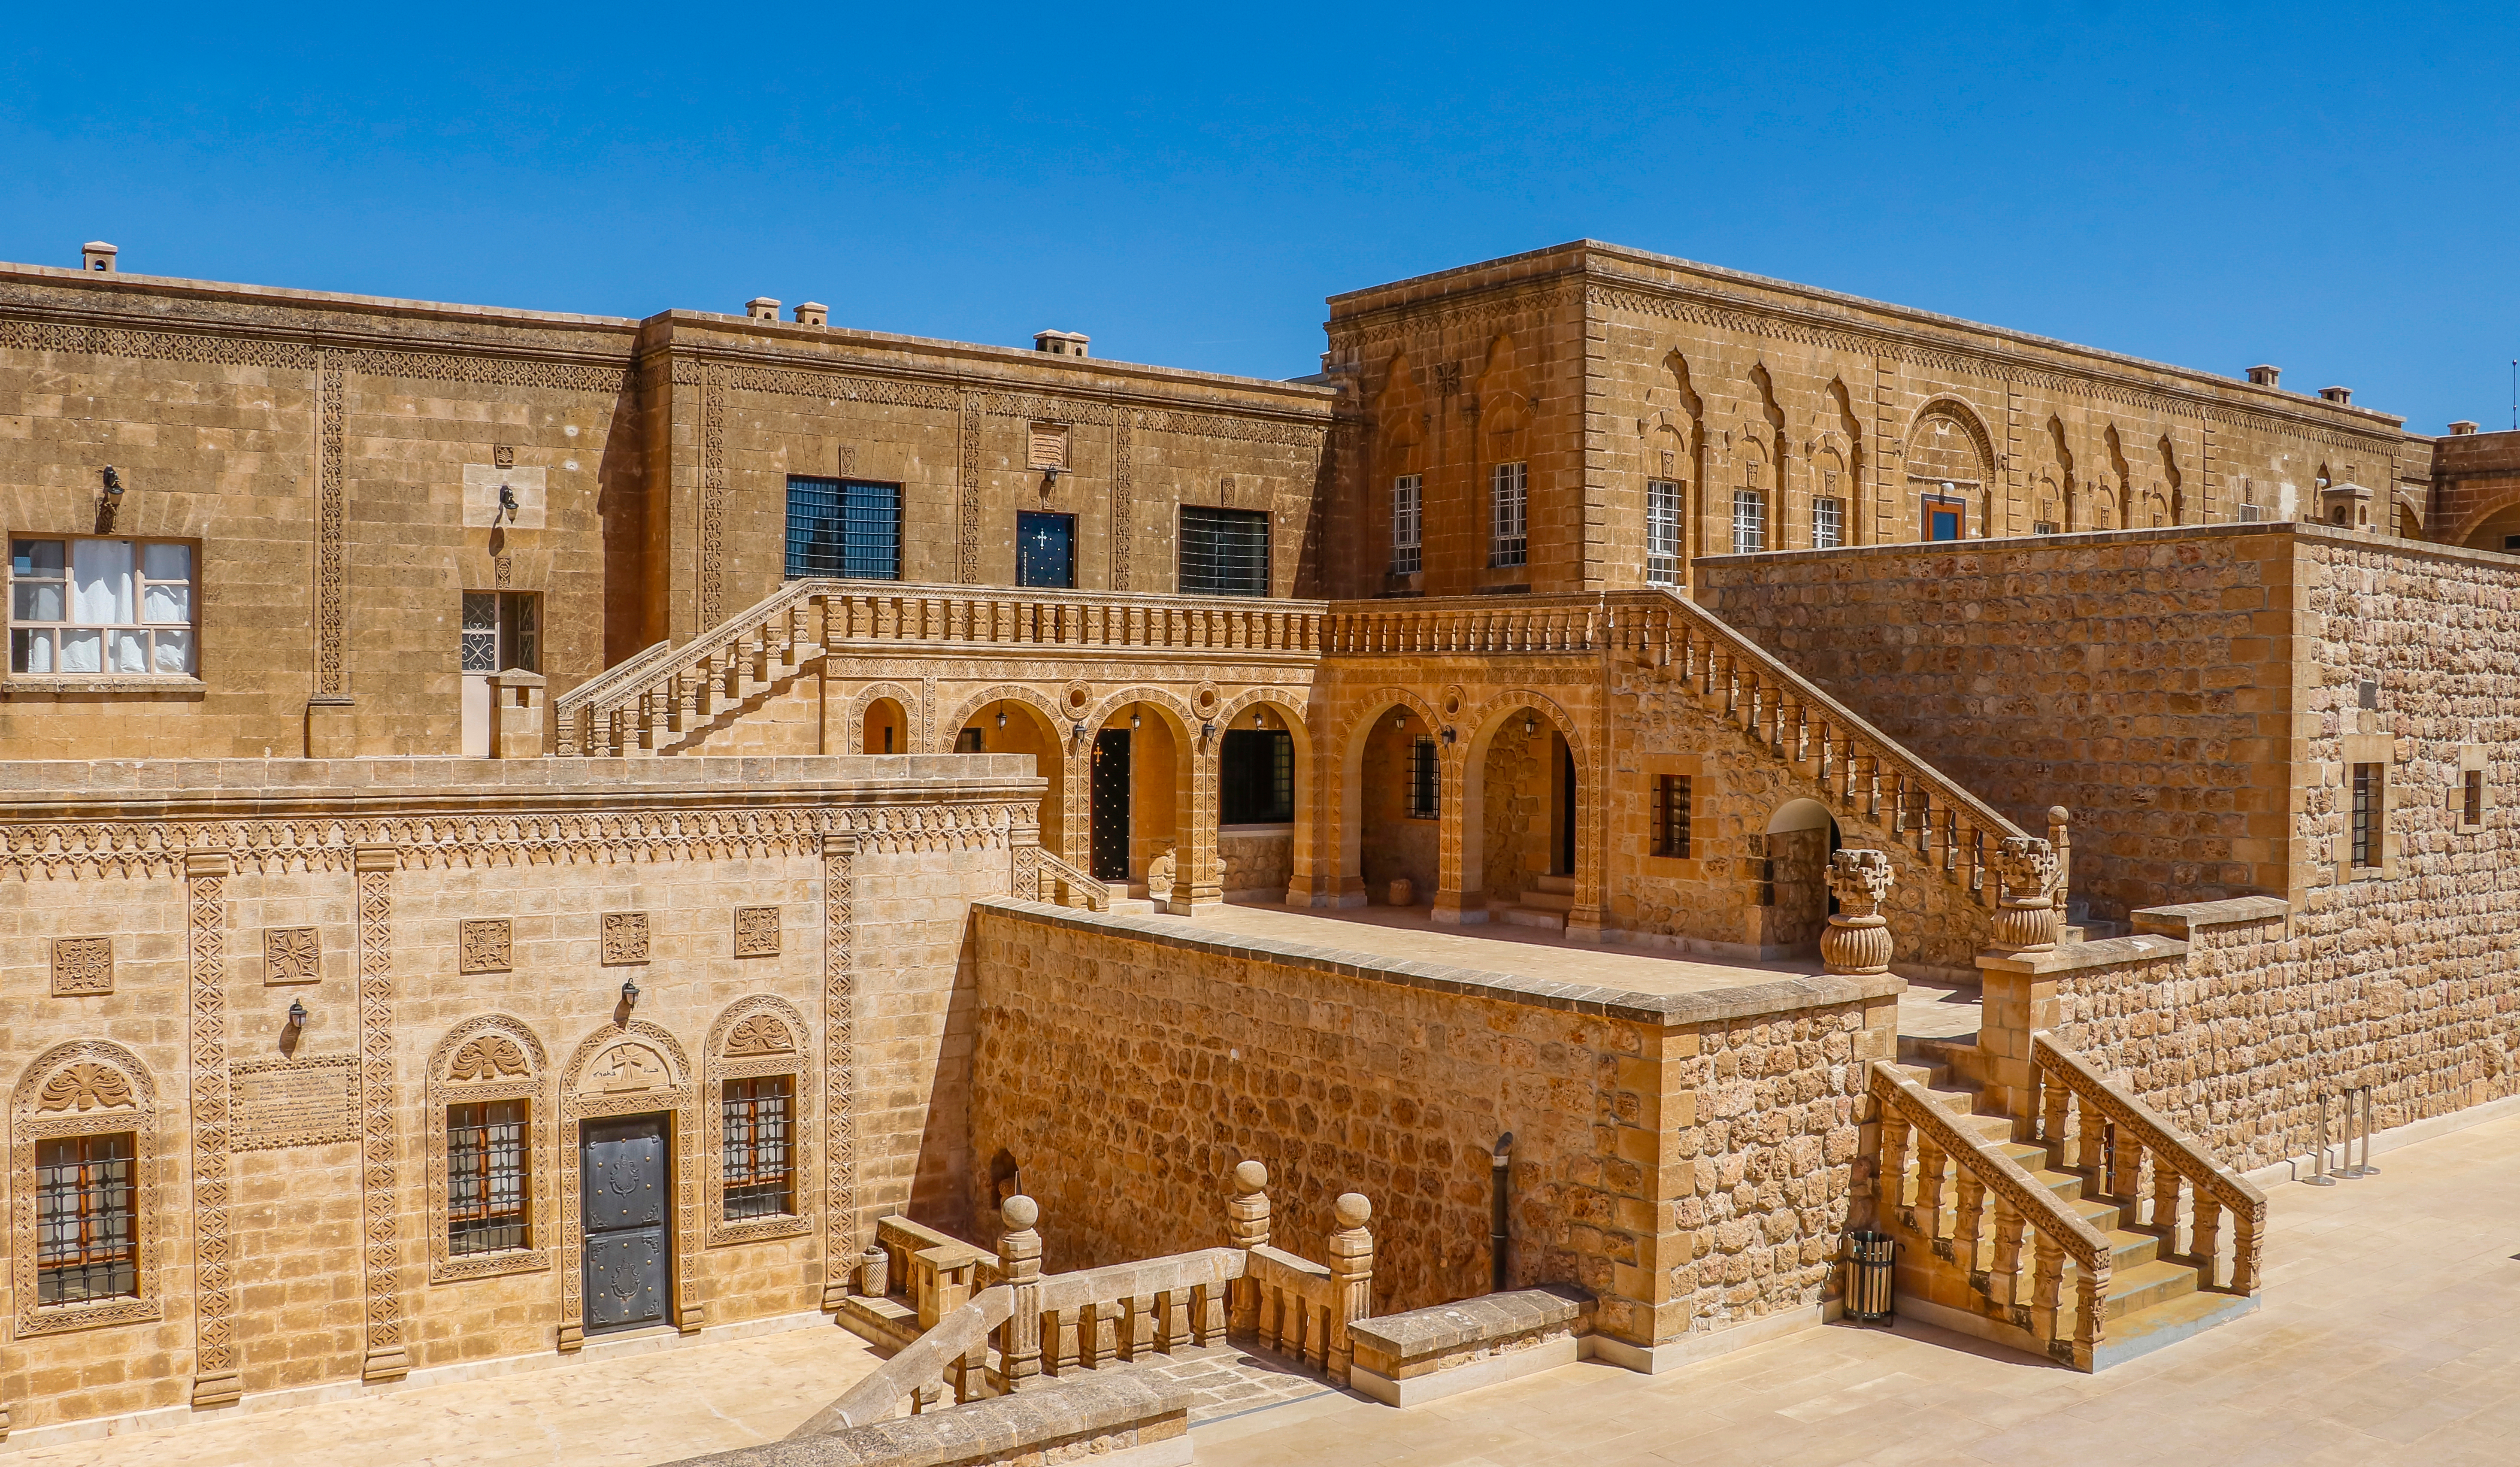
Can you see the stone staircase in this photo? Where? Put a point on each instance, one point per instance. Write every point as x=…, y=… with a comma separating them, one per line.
x=2148, y=1294
x=1545, y=904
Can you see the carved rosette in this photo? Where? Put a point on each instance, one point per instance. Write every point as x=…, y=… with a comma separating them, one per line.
x=2025, y=916
x=1858, y=940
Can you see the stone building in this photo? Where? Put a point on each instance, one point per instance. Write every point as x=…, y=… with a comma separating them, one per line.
x=355, y=923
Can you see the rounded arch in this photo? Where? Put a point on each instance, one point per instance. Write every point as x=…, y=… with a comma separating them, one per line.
x=462, y=1043
x=763, y=1039
x=1295, y=715
x=604, y=1044
x=483, y=1061
x=791, y=1036
x=2409, y=516
x=1799, y=814
x=89, y=1088
x=863, y=702
x=978, y=703
x=1470, y=776
x=1162, y=811
x=80, y=1076
x=1347, y=745
x=1054, y=759
x=1981, y=445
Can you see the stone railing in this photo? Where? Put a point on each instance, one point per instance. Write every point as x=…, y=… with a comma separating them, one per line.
x=1858, y=767
x=938, y=1271
x=1039, y=875
x=1977, y=1252
x=2094, y=1128
x=1291, y=1304
x=644, y=705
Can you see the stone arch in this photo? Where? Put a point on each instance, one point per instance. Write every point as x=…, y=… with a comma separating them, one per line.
x=627, y=1068
x=486, y=1059
x=86, y=1087
x=1294, y=711
x=1464, y=892
x=1192, y=824
x=760, y=1035
x=1928, y=467
x=1052, y=759
x=854, y=723
x=1347, y=744
x=2408, y=518
x=1793, y=853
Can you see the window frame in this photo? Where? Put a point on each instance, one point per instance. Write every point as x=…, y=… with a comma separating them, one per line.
x=1281, y=779
x=1750, y=535
x=1024, y=521
x=1510, y=515
x=2366, y=816
x=784, y=1187
x=1408, y=524
x=121, y=1260
x=842, y=562
x=1674, y=803
x=1835, y=518
x=1424, y=800
x=1218, y=516
x=486, y=1222
x=1663, y=500
x=139, y=584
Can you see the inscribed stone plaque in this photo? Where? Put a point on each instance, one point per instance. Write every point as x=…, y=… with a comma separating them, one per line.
x=292, y=1102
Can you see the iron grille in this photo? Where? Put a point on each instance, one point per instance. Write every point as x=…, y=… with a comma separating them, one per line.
x=1662, y=531
x=1510, y=516
x=1223, y=552
x=485, y=1177
x=1671, y=816
x=758, y=1174
x=840, y=526
x=2367, y=806
x=87, y=1241
x=1408, y=524
x=1425, y=780
x=1750, y=521
x=1828, y=524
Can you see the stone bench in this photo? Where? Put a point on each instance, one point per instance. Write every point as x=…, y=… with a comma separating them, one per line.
x=1425, y=1354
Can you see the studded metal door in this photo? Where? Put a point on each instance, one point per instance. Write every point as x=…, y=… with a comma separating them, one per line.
x=629, y=1242
x=1111, y=805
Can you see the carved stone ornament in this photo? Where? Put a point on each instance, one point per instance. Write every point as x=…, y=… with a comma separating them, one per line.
x=628, y=1066
x=1858, y=940
x=486, y=945
x=83, y=966
x=489, y=1057
x=85, y=1087
x=625, y=938
x=292, y=955
x=759, y=1034
x=756, y=932
x=2025, y=917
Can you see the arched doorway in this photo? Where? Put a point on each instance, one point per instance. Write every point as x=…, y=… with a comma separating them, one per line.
x=1794, y=876
x=1012, y=725
x=1264, y=761
x=1140, y=800
x=886, y=729
x=1394, y=791
x=1521, y=803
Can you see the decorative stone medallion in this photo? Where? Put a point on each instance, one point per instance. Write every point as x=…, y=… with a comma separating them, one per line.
x=756, y=932
x=83, y=966
x=625, y=938
x=486, y=943
x=292, y=955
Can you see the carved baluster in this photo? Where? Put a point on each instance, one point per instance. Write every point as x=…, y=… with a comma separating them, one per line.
x=2125, y=1167
x=2245, y=1228
x=1890, y=1171
x=2090, y=1296
x=2165, y=1201
x=1100, y=1324
x=1930, y=1163
x=1967, y=1222
x=2091, y=1152
x=2205, y=1236
x=2003, y=1274
x=2053, y=1100
x=2047, y=1285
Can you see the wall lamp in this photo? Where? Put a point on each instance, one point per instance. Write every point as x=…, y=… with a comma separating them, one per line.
x=1448, y=733
x=1076, y=730
x=296, y=1014
x=507, y=504
x=1135, y=717
x=1259, y=718
x=1530, y=725
x=629, y=993
x=1206, y=732
x=112, y=481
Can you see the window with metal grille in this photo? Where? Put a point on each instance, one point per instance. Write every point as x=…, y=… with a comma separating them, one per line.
x=122, y=608
x=1828, y=524
x=1425, y=780
x=87, y=1226
x=1408, y=524
x=1509, y=515
x=2368, y=794
x=1750, y=521
x=502, y=631
x=1662, y=531
x=1223, y=552
x=1256, y=777
x=2472, y=796
x=485, y=1177
x=760, y=1177
x=843, y=528
x=1671, y=816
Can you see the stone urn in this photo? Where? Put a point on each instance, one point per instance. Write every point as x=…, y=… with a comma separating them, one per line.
x=1403, y=892
x=2025, y=916
x=1858, y=940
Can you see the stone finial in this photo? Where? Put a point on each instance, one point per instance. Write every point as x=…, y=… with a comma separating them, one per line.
x=1246, y=1220
x=2025, y=918
x=1351, y=1279
x=1019, y=1262
x=762, y=308
x=1858, y=940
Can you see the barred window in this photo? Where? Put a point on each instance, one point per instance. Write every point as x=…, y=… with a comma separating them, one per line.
x=502, y=630
x=1425, y=780
x=1828, y=524
x=1408, y=524
x=1750, y=521
x=2369, y=789
x=485, y=1177
x=87, y=1226
x=760, y=1174
x=1223, y=552
x=2472, y=797
x=122, y=608
x=1662, y=531
x=1509, y=515
x=843, y=528
x=1256, y=777
x=1671, y=816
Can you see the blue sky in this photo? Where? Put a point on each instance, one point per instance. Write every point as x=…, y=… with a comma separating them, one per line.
x=2330, y=190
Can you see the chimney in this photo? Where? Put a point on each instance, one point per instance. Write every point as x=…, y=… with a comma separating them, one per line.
x=1061, y=342
x=761, y=308
x=813, y=314
x=2463, y=428
x=97, y=254
x=2265, y=375
x=2341, y=395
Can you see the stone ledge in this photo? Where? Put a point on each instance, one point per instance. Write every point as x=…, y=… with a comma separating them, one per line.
x=1417, y=1333
x=2181, y=921
x=156, y=789
x=1667, y=1009
x=1090, y=1410
x=2068, y=956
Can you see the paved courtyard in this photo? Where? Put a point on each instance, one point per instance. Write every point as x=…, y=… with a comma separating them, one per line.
x=2391, y=1335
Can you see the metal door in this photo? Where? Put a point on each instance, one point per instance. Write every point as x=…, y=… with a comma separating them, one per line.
x=1045, y=549
x=629, y=1245
x=1111, y=805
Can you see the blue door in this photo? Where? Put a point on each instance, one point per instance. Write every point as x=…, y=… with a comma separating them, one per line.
x=629, y=1246
x=1045, y=549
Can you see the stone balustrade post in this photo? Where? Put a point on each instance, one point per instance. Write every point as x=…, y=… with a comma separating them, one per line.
x=1246, y=1220
x=518, y=714
x=2025, y=918
x=1351, y=1280
x=2060, y=836
x=1858, y=940
x=1019, y=1262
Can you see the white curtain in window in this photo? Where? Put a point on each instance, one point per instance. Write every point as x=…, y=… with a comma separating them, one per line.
x=168, y=571
x=82, y=651
x=101, y=582
x=174, y=652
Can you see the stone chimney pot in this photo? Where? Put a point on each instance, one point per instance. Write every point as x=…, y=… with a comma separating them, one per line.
x=2463, y=428
x=813, y=314
x=2265, y=375
x=2337, y=394
x=762, y=308
x=97, y=254
x=1061, y=342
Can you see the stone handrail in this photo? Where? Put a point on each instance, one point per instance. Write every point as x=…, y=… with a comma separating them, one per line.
x=1081, y=890
x=947, y=1350
x=643, y=702
x=567, y=706
x=2115, y=1133
x=1958, y=1229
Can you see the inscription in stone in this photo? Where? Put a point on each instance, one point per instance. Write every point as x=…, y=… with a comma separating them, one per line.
x=292, y=1102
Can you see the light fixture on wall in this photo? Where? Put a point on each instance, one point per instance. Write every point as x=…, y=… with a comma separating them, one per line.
x=1448, y=733
x=629, y=993
x=1259, y=718
x=506, y=504
x=1134, y=718
x=112, y=481
x=296, y=1014
x=1206, y=732
x=1530, y=725
x=1076, y=730
x=1002, y=714
x=1400, y=718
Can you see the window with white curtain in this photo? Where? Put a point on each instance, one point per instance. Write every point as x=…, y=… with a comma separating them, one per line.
x=1508, y=517
x=1408, y=524
x=1662, y=531
x=111, y=608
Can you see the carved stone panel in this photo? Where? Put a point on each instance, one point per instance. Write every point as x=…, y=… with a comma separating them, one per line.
x=294, y=1102
x=486, y=945
x=83, y=966
x=756, y=932
x=625, y=938
x=292, y=955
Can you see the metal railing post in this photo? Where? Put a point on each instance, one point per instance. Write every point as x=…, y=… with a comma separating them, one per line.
x=2319, y=1177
